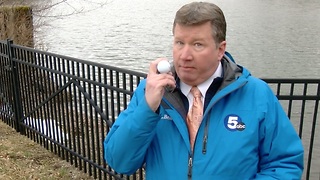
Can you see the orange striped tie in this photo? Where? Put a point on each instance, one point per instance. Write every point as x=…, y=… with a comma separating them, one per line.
x=195, y=114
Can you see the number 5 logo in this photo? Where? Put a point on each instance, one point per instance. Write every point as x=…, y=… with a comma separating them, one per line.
x=234, y=123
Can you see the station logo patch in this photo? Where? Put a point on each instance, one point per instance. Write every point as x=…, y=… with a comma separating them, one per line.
x=234, y=123
x=166, y=117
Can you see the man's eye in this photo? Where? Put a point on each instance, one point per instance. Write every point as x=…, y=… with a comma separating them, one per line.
x=179, y=43
x=197, y=44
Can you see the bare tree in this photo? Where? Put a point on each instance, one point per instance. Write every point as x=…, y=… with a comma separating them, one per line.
x=44, y=11
x=41, y=8
x=72, y=7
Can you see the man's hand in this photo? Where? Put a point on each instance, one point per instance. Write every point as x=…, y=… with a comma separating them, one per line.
x=156, y=84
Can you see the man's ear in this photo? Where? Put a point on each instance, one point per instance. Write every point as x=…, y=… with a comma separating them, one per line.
x=222, y=49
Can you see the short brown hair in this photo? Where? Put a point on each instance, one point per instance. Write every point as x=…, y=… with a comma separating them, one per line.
x=201, y=12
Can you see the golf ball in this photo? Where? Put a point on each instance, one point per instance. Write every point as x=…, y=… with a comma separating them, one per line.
x=163, y=67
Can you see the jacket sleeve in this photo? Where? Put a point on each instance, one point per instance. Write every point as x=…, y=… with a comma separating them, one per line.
x=127, y=142
x=281, y=149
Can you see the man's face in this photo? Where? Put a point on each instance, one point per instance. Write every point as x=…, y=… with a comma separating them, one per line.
x=195, y=53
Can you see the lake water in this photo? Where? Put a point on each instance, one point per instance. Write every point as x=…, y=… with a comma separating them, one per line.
x=271, y=38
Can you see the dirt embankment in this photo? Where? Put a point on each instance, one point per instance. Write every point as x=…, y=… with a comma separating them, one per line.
x=21, y=158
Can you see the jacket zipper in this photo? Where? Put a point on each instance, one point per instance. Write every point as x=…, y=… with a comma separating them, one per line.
x=205, y=138
x=190, y=164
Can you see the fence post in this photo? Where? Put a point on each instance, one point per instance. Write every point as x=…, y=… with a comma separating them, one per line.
x=18, y=114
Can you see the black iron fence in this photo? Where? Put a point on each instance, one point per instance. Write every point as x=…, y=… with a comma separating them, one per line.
x=67, y=105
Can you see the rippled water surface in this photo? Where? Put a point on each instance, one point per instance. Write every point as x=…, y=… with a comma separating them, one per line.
x=271, y=38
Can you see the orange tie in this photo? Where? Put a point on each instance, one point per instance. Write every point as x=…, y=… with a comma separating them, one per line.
x=195, y=114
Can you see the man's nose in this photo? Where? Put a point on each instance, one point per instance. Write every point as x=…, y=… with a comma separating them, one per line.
x=186, y=52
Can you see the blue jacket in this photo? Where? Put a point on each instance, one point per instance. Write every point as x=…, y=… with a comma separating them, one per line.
x=245, y=134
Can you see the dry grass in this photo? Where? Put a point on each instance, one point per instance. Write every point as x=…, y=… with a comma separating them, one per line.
x=21, y=158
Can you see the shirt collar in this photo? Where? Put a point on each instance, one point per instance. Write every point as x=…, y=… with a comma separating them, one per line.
x=203, y=87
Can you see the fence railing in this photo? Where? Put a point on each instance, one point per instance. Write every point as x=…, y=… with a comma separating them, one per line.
x=67, y=105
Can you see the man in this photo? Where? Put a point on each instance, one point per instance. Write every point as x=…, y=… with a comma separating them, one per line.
x=243, y=132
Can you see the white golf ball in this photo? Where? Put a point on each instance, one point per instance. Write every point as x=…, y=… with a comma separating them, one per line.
x=164, y=66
